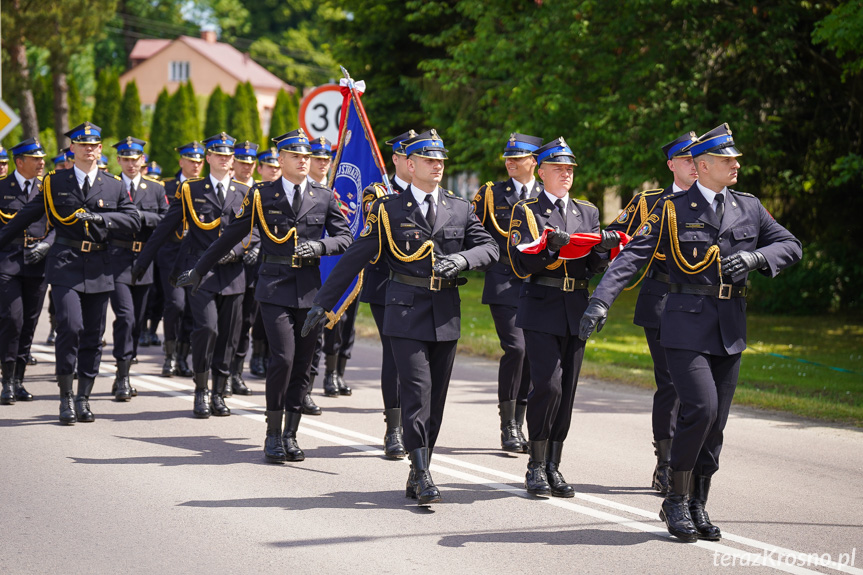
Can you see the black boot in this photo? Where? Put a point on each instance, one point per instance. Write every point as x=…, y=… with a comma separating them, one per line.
x=21, y=394
x=662, y=472
x=394, y=446
x=256, y=364
x=82, y=400
x=67, y=402
x=202, y=396
x=340, y=376
x=52, y=334
x=706, y=529
x=559, y=486
x=331, y=381
x=289, y=437
x=509, y=440
x=309, y=407
x=274, y=451
x=535, y=481
x=7, y=396
x=182, y=361
x=238, y=386
x=169, y=368
x=675, y=508
x=123, y=389
x=520, y=410
x=220, y=381
x=266, y=360
x=420, y=483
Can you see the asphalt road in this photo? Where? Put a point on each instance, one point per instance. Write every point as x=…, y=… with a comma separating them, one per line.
x=147, y=488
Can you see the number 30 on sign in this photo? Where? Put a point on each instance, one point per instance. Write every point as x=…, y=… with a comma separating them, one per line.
x=320, y=111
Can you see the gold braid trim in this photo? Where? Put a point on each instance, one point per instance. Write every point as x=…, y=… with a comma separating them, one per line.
x=335, y=316
x=292, y=233
x=531, y=222
x=49, y=207
x=6, y=218
x=488, y=207
x=186, y=193
x=427, y=249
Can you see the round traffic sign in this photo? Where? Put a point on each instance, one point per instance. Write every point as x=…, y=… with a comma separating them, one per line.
x=320, y=111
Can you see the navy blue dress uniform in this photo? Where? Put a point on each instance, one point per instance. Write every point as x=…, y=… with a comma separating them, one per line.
x=493, y=204
x=425, y=243
x=291, y=228
x=648, y=312
x=216, y=305
x=22, y=273
x=129, y=300
x=552, y=299
x=703, y=328
x=4, y=162
x=177, y=314
x=83, y=209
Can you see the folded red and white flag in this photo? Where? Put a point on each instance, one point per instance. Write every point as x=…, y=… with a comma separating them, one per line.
x=579, y=245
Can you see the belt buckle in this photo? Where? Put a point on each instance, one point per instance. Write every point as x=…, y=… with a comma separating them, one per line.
x=296, y=261
x=86, y=246
x=725, y=291
x=136, y=246
x=30, y=242
x=568, y=284
x=435, y=283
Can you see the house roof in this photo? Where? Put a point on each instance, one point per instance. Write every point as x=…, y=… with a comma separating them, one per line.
x=145, y=48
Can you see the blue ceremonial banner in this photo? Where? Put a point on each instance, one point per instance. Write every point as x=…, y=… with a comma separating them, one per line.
x=358, y=164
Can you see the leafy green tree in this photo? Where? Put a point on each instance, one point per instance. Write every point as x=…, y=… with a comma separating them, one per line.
x=245, y=120
x=218, y=112
x=285, y=114
x=130, y=122
x=108, y=97
x=77, y=108
x=43, y=97
x=162, y=137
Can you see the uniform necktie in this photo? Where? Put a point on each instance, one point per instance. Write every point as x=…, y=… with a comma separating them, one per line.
x=220, y=191
x=132, y=190
x=86, y=189
x=525, y=193
x=295, y=203
x=27, y=189
x=562, y=209
x=720, y=206
x=430, y=215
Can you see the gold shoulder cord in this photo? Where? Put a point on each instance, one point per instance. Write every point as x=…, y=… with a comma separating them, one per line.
x=427, y=249
x=488, y=207
x=292, y=233
x=6, y=218
x=49, y=206
x=190, y=208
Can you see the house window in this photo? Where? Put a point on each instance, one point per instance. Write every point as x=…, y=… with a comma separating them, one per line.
x=179, y=72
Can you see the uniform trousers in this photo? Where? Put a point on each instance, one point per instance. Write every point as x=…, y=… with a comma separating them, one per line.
x=290, y=356
x=554, y=368
x=80, y=319
x=513, y=374
x=665, y=403
x=705, y=385
x=21, y=300
x=214, y=338
x=130, y=307
x=155, y=299
x=424, y=369
x=176, y=315
x=317, y=351
x=340, y=340
x=258, y=331
x=247, y=320
x=389, y=373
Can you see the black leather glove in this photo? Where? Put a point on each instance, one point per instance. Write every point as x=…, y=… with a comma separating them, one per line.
x=189, y=278
x=593, y=319
x=229, y=258
x=251, y=257
x=556, y=240
x=90, y=217
x=449, y=266
x=315, y=317
x=137, y=273
x=742, y=262
x=312, y=249
x=37, y=253
x=609, y=241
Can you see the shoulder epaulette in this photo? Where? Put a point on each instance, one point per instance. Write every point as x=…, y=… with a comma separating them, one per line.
x=4, y=177
x=583, y=202
x=526, y=201
x=241, y=183
x=453, y=196
x=116, y=177
x=193, y=179
x=40, y=178
x=655, y=192
x=166, y=180
x=387, y=197
x=151, y=179
x=741, y=193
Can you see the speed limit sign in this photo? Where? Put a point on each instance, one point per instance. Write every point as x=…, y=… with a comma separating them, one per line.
x=320, y=111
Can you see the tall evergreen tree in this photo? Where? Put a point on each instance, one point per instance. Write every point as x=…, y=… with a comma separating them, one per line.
x=218, y=112
x=108, y=98
x=285, y=114
x=76, y=104
x=184, y=120
x=130, y=122
x=163, y=139
x=245, y=120
x=43, y=97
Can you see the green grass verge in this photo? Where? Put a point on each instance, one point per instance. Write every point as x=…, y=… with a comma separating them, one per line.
x=793, y=363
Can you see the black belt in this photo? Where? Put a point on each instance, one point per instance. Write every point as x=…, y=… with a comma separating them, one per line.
x=433, y=283
x=564, y=284
x=27, y=241
x=659, y=276
x=134, y=246
x=724, y=291
x=293, y=261
x=85, y=246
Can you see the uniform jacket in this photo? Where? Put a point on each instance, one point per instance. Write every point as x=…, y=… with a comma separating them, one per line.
x=543, y=308
x=149, y=198
x=87, y=272
x=414, y=312
x=376, y=275
x=12, y=199
x=700, y=323
x=227, y=279
x=167, y=256
x=279, y=283
x=493, y=204
x=651, y=295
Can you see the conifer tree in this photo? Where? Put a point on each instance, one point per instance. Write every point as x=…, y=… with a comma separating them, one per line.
x=129, y=122
x=285, y=114
x=162, y=137
x=108, y=98
x=218, y=112
x=184, y=121
x=245, y=120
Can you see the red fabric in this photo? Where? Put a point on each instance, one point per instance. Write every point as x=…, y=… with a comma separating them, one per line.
x=579, y=245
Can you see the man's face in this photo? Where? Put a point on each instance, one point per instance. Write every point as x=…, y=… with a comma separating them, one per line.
x=319, y=167
x=557, y=178
x=4, y=168
x=243, y=171
x=295, y=167
x=220, y=163
x=130, y=166
x=401, y=166
x=520, y=169
x=718, y=171
x=269, y=173
x=684, y=171
x=425, y=171
x=88, y=153
x=29, y=167
x=191, y=168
